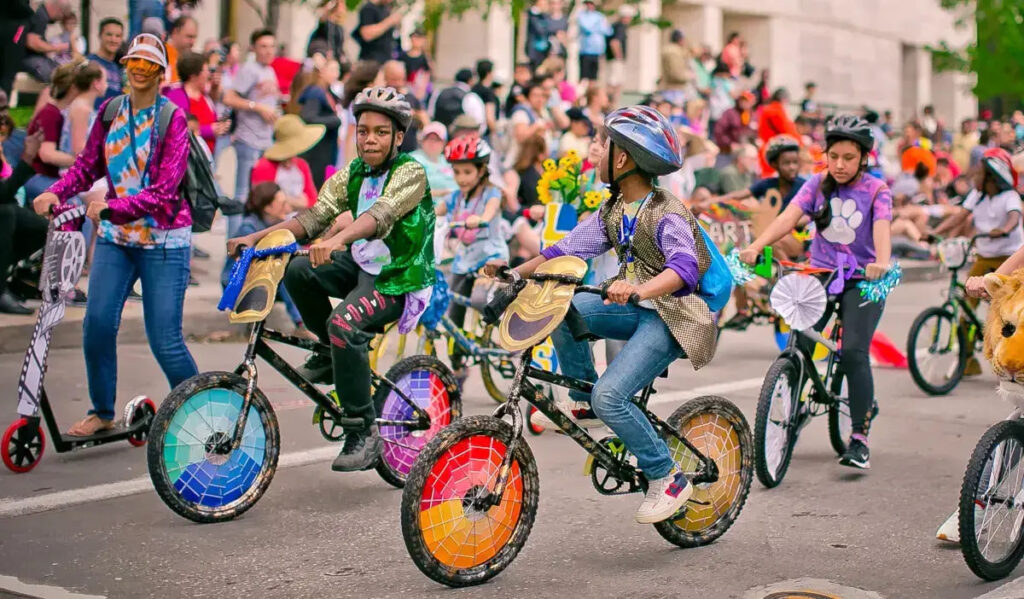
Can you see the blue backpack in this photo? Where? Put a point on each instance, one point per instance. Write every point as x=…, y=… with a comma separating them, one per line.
x=715, y=286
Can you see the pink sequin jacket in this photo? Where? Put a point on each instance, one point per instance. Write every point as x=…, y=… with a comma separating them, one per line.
x=160, y=198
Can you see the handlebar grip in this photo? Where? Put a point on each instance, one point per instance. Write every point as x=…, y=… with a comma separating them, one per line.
x=634, y=299
x=105, y=214
x=337, y=255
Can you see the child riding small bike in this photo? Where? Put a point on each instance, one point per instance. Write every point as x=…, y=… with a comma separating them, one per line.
x=662, y=256
x=475, y=212
x=852, y=211
x=380, y=263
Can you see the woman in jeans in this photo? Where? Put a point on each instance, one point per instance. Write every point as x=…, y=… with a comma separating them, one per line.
x=146, y=232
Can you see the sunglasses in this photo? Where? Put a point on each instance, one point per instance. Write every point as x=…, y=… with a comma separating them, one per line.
x=141, y=66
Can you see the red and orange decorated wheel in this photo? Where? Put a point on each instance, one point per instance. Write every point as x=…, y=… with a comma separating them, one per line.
x=719, y=431
x=450, y=536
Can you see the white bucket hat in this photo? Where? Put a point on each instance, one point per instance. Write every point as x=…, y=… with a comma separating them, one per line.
x=147, y=47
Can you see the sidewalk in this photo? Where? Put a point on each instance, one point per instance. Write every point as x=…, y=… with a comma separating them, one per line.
x=201, y=315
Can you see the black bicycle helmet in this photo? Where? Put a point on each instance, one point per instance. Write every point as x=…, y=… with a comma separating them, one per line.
x=851, y=128
x=386, y=101
x=779, y=145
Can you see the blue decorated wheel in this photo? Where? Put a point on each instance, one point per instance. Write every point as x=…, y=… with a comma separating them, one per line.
x=193, y=467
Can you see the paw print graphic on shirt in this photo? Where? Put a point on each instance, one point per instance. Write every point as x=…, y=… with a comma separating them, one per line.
x=845, y=220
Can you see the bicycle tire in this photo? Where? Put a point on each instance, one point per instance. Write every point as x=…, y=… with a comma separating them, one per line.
x=498, y=394
x=437, y=392
x=969, y=496
x=771, y=475
x=840, y=424
x=912, y=358
x=175, y=462
x=481, y=440
x=702, y=524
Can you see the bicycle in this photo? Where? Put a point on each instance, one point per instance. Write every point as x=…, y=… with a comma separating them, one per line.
x=471, y=498
x=794, y=391
x=951, y=330
x=215, y=442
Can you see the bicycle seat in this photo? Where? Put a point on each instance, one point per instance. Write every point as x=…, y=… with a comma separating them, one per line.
x=256, y=299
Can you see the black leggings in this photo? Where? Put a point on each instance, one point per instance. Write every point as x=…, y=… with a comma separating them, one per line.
x=461, y=285
x=859, y=324
x=22, y=232
x=347, y=328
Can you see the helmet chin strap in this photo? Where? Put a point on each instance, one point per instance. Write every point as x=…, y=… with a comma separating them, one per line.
x=611, y=168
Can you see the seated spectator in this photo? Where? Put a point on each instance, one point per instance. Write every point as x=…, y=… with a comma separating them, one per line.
x=37, y=63
x=22, y=232
x=280, y=163
x=742, y=173
x=329, y=34
x=111, y=39
x=50, y=120
x=430, y=154
x=266, y=206
x=597, y=104
x=71, y=37
x=579, y=134
x=554, y=67
x=529, y=120
x=736, y=126
x=190, y=96
x=458, y=99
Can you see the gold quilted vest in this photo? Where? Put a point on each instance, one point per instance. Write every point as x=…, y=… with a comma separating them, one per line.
x=688, y=318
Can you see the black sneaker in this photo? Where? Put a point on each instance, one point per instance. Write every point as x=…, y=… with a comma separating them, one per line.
x=318, y=369
x=739, y=322
x=10, y=305
x=359, y=451
x=200, y=254
x=857, y=455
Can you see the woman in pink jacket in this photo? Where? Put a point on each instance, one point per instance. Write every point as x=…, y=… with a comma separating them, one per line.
x=145, y=228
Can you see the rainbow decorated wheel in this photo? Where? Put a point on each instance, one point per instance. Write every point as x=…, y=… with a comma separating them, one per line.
x=193, y=467
x=452, y=536
x=432, y=386
x=719, y=431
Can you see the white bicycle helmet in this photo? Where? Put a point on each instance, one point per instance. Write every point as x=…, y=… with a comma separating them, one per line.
x=387, y=101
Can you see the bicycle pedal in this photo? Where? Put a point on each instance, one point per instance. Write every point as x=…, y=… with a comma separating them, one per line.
x=698, y=502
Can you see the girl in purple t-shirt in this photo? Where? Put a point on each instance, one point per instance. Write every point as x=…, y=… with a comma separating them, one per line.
x=852, y=211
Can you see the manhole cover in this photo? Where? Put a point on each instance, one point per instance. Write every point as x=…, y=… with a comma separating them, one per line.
x=809, y=588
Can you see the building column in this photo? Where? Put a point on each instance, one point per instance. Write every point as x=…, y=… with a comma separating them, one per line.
x=462, y=41
x=643, y=53
x=701, y=24
x=917, y=81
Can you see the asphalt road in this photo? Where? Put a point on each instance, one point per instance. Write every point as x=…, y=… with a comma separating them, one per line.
x=317, y=533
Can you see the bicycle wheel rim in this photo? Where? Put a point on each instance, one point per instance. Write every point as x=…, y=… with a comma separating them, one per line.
x=206, y=480
x=454, y=533
x=998, y=513
x=937, y=350
x=715, y=437
x=777, y=428
x=401, y=444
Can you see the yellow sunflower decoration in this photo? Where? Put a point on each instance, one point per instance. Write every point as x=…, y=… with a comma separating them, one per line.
x=563, y=179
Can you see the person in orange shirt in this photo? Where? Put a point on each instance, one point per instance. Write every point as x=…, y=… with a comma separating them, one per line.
x=774, y=121
x=180, y=42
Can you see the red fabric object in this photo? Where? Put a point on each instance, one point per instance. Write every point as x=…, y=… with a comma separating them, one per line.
x=201, y=107
x=774, y=121
x=885, y=352
x=50, y=121
x=266, y=170
x=286, y=69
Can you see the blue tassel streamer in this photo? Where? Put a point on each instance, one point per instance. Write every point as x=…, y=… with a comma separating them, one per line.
x=741, y=272
x=241, y=269
x=439, y=300
x=876, y=291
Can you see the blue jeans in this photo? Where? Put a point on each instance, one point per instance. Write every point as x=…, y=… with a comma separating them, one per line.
x=36, y=185
x=164, y=275
x=649, y=349
x=246, y=157
x=138, y=10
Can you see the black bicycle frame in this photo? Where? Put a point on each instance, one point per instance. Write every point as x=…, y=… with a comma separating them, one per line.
x=258, y=337
x=795, y=351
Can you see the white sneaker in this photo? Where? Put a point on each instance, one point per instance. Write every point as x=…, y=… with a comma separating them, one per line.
x=950, y=529
x=665, y=497
x=578, y=411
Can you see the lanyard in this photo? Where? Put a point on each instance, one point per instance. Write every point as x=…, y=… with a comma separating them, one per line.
x=143, y=174
x=628, y=231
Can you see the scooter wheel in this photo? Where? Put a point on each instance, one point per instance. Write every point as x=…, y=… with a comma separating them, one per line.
x=139, y=409
x=535, y=429
x=22, y=445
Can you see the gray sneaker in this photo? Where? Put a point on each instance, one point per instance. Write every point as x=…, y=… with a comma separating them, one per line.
x=318, y=369
x=360, y=451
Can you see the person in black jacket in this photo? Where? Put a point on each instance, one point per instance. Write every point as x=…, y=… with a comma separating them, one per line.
x=22, y=231
x=319, y=106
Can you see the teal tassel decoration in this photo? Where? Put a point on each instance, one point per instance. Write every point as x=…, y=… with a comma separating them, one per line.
x=741, y=272
x=876, y=291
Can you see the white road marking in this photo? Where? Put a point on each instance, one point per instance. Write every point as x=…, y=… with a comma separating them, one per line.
x=40, y=591
x=54, y=501
x=1011, y=590
x=62, y=499
x=717, y=389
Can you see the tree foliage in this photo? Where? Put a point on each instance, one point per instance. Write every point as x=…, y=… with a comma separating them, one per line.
x=996, y=56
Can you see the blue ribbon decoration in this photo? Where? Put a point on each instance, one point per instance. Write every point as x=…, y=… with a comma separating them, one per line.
x=439, y=300
x=241, y=269
x=741, y=272
x=876, y=291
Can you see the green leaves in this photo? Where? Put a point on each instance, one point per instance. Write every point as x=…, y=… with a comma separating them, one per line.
x=996, y=56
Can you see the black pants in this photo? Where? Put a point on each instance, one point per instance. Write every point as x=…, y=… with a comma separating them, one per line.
x=349, y=327
x=859, y=324
x=22, y=232
x=461, y=285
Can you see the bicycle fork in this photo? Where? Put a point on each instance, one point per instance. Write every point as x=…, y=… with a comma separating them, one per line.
x=249, y=363
x=511, y=407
